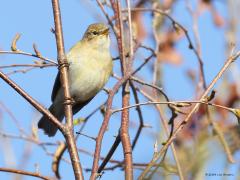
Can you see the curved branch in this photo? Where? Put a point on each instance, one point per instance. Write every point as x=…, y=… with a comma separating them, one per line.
x=26, y=173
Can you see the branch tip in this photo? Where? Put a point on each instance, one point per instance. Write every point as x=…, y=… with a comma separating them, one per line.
x=14, y=42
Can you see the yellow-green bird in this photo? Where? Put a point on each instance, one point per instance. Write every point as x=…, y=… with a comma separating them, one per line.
x=90, y=66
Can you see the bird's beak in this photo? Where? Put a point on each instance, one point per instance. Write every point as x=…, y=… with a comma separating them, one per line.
x=105, y=31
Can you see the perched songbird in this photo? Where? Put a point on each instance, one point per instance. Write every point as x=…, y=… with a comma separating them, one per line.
x=90, y=66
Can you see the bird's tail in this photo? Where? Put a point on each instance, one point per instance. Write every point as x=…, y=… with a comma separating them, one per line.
x=44, y=123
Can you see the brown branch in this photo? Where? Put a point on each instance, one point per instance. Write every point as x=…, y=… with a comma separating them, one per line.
x=28, y=54
x=33, y=102
x=25, y=70
x=63, y=148
x=27, y=65
x=127, y=149
x=216, y=128
x=57, y=157
x=26, y=173
x=107, y=16
x=14, y=119
x=174, y=103
x=104, y=127
x=108, y=115
x=118, y=139
x=63, y=68
x=175, y=25
x=139, y=111
x=146, y=84
x=194, y=109
x=126, y=68
x=194, y=15
x=165, y=127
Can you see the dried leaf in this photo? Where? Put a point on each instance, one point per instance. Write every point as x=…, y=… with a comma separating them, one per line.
x=167, y=52
x=139, y=30
x=205, y=5
x=217, y=18
x=170, y=56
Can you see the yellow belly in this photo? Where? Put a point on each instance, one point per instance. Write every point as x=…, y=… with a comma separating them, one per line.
x=87, y=80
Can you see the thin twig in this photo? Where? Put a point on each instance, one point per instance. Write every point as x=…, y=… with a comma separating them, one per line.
x=108, y=115
x=63, y=149
x=32, y=101
x=194, y=15
x=118, y=139
x=175, y=24
x=28, y=54
x=12, y=116
x=110, y=153
x=126, y=68
x=202, y=84
x=147, y=84
x=175, y=103
x=26, y=173
x=27, y=65
x=139, y=111
x=165, y=127
x=194, y=109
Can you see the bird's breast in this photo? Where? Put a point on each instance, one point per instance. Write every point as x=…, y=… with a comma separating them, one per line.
x=87, y=78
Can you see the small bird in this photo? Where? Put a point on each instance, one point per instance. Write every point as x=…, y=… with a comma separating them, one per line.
x=90, y=66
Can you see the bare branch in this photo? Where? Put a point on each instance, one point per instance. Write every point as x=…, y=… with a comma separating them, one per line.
x=62, y=61
x=26, y=173
x=194, y=109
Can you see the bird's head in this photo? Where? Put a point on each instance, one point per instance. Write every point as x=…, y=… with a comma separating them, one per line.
x=95, y=31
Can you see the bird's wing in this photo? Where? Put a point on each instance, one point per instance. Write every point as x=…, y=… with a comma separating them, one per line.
x=56, y=87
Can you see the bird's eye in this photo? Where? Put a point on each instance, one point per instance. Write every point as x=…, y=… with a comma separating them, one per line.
x=95, y=33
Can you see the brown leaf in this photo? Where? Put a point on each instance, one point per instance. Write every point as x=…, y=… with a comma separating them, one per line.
x=170, y=56
x=205, y=5
x=233, y=95
x=207, y=2
x=217, y=18
x=166, y=51
x=138, y=25
x=167, y=4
